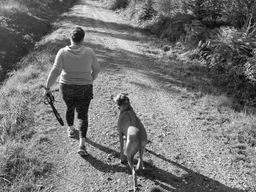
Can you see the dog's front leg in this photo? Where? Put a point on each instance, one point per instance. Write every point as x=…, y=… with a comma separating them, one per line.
x=122, y=156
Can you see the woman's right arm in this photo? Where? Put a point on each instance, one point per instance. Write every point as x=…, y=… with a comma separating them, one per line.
x=56, y=70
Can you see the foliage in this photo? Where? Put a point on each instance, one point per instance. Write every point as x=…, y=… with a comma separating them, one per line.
x=147, y=12
x=117, y=4
x=209, y=12
x=214, y=13
x=237, y=12
x=170, y=28
x=232, y=62
x=195, y=32
x=168, y=7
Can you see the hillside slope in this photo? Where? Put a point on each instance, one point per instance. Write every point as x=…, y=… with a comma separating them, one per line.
x=22, y=24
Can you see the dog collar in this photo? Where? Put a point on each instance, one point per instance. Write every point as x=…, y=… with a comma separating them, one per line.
x=127, y=109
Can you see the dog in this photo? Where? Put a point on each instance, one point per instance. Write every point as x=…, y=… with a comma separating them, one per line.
x=131, y=128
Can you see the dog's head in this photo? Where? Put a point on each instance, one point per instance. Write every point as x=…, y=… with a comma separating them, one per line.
x=121, y=99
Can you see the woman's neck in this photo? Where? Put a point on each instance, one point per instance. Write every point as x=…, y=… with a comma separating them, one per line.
x=75, y=45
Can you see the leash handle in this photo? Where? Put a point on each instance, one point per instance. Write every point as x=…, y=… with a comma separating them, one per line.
x=49, y=100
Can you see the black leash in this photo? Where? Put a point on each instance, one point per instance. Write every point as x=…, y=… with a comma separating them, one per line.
x=49, y=100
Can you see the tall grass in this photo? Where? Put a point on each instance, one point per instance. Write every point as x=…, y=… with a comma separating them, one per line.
x=17, y=115
x=19, y=171
x=22, y=167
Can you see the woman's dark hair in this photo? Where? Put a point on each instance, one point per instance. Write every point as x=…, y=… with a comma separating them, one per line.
x=77, y=35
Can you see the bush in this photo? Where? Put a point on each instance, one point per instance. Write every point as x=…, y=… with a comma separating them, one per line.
x=168, y=7
x=209, y=12
x=195, y=32
x=214, y=13
x=171, y=28
x=118, y=4
x=231, y=61
x=147, y=12
x=237, y=12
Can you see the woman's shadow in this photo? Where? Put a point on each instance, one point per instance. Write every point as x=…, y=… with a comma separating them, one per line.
x=189, y=182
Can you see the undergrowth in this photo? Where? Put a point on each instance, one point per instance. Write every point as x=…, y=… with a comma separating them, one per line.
x=22, y=166
x=117, y=4
x=19, y=171
x=25, y=22
x=231, y=60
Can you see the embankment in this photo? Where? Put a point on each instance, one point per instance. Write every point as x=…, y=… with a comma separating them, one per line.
x=21, y=25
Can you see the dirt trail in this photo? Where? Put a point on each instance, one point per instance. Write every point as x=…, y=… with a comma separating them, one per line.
x=181, y=156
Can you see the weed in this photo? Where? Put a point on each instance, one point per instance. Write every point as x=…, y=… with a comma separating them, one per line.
x=19, y=171
x=147, y=12
x=117, y=4
x=18, y=114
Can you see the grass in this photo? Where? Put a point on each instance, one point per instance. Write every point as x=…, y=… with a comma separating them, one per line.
x=22, y=164
x=237, y=130
x=26, y=22
x=20, y=171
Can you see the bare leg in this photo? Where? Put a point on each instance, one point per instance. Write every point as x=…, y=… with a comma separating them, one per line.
x=82, y=141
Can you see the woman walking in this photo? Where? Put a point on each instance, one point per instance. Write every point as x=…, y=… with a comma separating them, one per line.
x=77, y=67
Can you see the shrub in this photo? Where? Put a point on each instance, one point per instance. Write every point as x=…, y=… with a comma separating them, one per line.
x=171, y=28
x=117, y=4
x=237, y=12
x=147, y=12
x=209, y=12
x=168, y=7
x=232, y=63
x=195, y=32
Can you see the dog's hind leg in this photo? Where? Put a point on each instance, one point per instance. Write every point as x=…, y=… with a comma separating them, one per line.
x=131, y=150
x=140, y=164
x=122, y=156
x=134, y=176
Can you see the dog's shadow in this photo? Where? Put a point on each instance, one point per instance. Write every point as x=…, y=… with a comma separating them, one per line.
x=189, y=182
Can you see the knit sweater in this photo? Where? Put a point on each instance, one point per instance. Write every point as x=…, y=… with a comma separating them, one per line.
x=76, y=65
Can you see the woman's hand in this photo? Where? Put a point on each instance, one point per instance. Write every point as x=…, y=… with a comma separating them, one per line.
x=47, y=93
